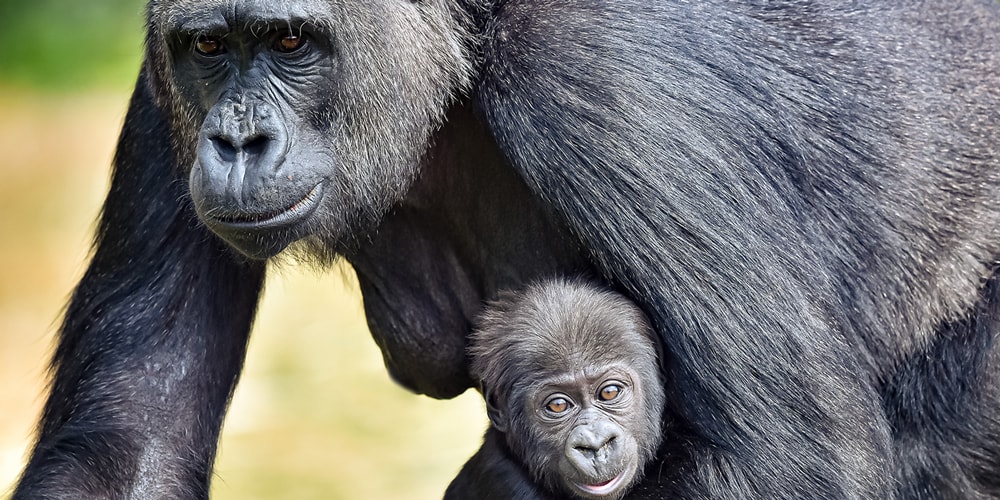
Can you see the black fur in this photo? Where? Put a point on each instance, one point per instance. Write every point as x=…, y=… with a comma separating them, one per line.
x=802, y=195
x=494, y=473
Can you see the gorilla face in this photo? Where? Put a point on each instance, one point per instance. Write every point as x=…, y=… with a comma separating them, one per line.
x=304, y=118
x=571, y=378
x=586, y=428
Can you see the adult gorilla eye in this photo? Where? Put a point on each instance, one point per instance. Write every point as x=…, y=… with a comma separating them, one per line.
x=208, y=45
x=557, y=405
x=609, y=392
x=289, y=43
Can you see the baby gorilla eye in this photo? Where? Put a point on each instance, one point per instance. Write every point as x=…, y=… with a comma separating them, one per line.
x=609, y=392
x=289, y=43
x=208, y=45
x=557, y=405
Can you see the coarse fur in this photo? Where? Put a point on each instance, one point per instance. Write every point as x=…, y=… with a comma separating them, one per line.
x=567, y=340
x=800, y=194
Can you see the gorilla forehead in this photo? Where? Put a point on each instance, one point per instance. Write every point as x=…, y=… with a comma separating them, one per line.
x=563, y=326
x=236, y=11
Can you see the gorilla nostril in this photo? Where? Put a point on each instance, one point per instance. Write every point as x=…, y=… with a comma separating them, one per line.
x=229, y=149
x=226, y=150
x=255, y=145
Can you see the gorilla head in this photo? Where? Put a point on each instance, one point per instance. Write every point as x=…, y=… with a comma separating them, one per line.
x=291, y=127
x=570, y=376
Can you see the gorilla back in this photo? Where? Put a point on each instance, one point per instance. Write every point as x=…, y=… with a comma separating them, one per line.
x=801, y=195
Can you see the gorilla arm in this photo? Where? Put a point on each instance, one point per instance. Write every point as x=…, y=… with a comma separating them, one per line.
x=153, y=339
x=493, y=473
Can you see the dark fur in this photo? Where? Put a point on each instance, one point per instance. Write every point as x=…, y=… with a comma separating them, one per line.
x=494, y=473
x=802, y=195
x=531, y=343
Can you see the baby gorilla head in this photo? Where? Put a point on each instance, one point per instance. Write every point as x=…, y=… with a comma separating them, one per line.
x=570, y=377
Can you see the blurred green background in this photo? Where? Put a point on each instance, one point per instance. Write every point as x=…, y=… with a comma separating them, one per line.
x=315, y=415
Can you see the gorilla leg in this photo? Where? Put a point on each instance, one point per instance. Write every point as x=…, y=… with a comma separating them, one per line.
x=152, y=343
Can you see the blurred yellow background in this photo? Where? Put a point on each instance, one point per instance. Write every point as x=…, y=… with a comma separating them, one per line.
x=315, y=415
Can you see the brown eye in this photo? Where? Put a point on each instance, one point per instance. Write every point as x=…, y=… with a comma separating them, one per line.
x=609, y=392
x=289, y=43
x=557, y=405
x=208, y=45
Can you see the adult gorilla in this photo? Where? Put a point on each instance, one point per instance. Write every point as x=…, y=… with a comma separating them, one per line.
x=802, y=195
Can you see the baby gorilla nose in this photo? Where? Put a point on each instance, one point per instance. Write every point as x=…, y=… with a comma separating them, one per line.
x=595, y=453
x=594, y=446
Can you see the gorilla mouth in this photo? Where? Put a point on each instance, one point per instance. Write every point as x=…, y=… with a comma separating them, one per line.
x=603, y=488
x=278, y=218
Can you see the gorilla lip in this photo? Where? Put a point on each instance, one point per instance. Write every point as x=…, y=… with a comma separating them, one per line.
x=603, y=488
x=288, y=216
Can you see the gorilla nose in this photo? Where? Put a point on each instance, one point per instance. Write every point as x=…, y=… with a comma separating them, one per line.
x=591, y=450
x=241, y=147
x=594, y=444
x=230, y=147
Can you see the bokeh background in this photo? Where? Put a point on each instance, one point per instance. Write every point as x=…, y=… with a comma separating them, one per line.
x=315, y=415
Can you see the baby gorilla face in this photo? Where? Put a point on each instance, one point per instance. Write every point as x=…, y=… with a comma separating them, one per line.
x=586, y=424
x=570, y=375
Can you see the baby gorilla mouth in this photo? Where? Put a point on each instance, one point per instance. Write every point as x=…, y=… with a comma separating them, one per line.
x=603, y=488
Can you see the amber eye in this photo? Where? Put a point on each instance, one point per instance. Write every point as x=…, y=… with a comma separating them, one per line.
x=609, y=392
x=557, y=405
x=289, y=43
x=208, y=45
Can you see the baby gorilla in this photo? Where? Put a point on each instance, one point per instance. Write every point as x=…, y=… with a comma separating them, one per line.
x=570, y=377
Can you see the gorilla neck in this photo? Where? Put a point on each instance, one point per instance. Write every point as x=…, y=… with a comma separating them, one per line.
x=468, y=228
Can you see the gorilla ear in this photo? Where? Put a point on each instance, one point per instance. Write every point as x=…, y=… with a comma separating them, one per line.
x=493, y=410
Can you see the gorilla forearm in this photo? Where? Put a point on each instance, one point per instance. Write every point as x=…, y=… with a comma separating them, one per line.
x=493, y=473
x=152, y=343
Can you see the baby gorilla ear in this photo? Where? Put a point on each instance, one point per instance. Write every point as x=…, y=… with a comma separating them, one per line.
x=494, y=410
